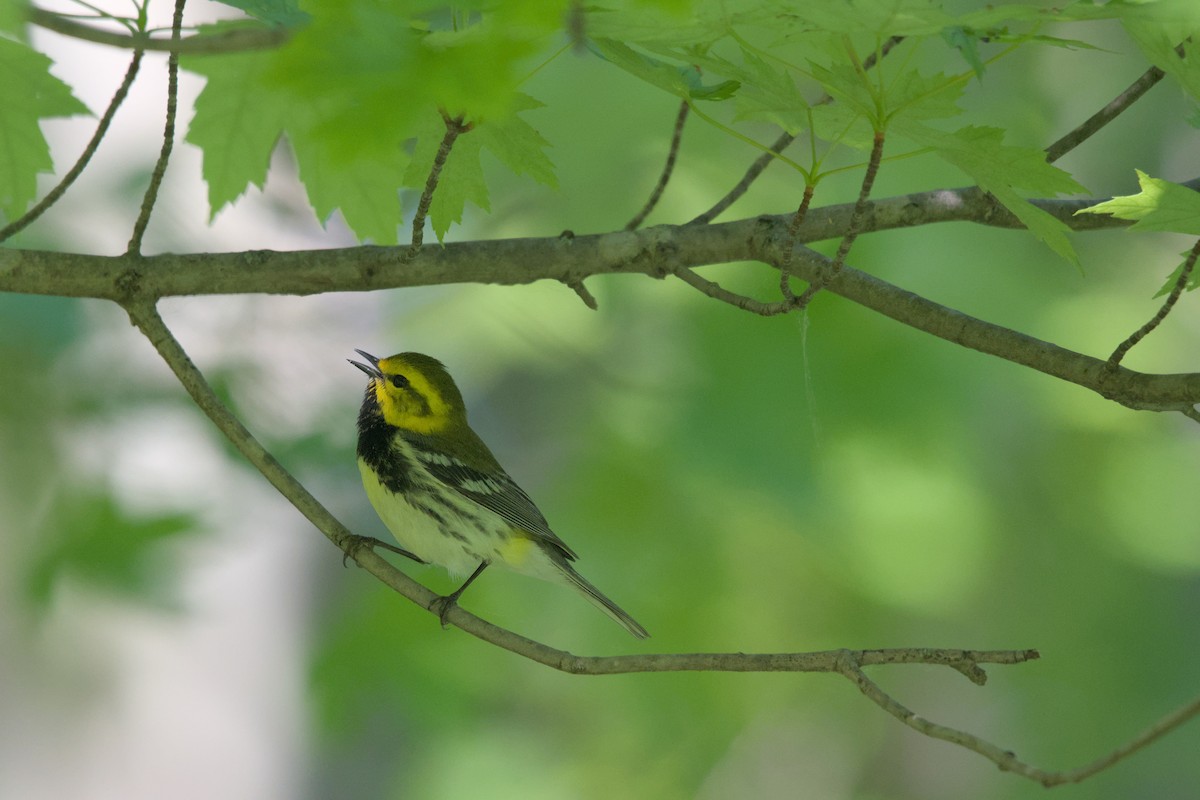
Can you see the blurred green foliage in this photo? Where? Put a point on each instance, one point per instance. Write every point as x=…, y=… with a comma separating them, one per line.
x=736, y=483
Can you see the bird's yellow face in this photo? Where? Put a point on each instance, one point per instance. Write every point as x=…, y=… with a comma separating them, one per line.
x=414, y=392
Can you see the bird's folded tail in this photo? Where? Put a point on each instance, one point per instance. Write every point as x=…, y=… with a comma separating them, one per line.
x=599, y=600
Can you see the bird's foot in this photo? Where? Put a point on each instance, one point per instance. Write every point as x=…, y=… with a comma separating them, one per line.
x=442, y=605
x=354, y=543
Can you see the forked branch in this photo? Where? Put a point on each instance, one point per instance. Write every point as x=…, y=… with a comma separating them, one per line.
x=1007, y=760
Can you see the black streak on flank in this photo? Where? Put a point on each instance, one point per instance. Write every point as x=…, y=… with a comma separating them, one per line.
x=375, y=447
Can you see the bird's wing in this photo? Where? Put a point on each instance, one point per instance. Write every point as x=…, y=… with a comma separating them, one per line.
x=494, y=490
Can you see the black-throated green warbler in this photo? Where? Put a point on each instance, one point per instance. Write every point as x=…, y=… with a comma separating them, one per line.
x=441, y=492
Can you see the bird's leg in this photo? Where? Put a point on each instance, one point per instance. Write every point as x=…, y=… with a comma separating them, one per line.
x=441, y=606
x=354, y=543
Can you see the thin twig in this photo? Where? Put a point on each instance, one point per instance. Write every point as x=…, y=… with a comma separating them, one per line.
x=668, y=168
x=756, y=169
x=658, y=252
x=793, y=231
x=160, y=167
x=860, y=205
x=576, y=26
x=780, y=144
x=849, y=663
x=85, y=157
x=454, y=127
x=1156, y=731
x=146, y=318
x=1007, y=760
x=1176, y=291
x=718, y=292
x=1072, y=139
x=230, y=41
x=852, y=230
x=584, y=293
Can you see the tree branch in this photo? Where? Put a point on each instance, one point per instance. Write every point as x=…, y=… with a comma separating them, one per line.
x=1007, y=760
x=1111, y=111
x=164, y=155
x=968, y=662
x=454, y=128
x=658, y=251
x=785, y=268
x=1181, y=282
x=229, y=41
x=853, y=229
x=668, y=168
x=147, y=319
x=1168, y=392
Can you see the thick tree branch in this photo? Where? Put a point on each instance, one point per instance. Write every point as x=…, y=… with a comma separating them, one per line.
x=658, y=251
x=230, y=41
x=1170, y=392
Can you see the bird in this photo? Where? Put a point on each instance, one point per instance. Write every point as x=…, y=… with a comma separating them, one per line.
x=441, y=492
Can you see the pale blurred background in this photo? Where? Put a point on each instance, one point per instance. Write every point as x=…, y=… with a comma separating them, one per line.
x=171, y=627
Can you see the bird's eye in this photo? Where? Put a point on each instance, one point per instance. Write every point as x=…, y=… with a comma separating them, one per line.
x=400, y=382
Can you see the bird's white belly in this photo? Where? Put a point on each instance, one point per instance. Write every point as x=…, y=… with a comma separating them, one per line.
x=475, y=535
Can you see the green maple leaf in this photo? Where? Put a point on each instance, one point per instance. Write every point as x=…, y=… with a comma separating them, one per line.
x=513, y=141
x=910, y=94
x=237, y=123
x=241, y=115
x=1159, y=206
x=1193, y=281
x=517, y=143
x=682, y=81
x=461, y=178
x=277, y=12
x=12, y=19
x=1002, y=169
x=763, y=92
x=364, y=187
x=879, y=17
x=28, y=94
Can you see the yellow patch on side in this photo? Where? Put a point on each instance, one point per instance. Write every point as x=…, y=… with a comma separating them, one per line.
x=516, y=550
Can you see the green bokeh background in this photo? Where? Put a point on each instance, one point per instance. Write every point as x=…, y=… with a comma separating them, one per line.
x=736, y=483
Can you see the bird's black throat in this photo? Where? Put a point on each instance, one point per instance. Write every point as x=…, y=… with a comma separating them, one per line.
x=375, y=448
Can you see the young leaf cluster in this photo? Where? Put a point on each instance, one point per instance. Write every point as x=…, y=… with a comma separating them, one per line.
x=360, y=89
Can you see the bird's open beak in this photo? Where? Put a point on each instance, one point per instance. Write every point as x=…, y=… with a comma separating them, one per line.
x=373, y=369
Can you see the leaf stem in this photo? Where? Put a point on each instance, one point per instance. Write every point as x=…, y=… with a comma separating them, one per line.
x=164, y=155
